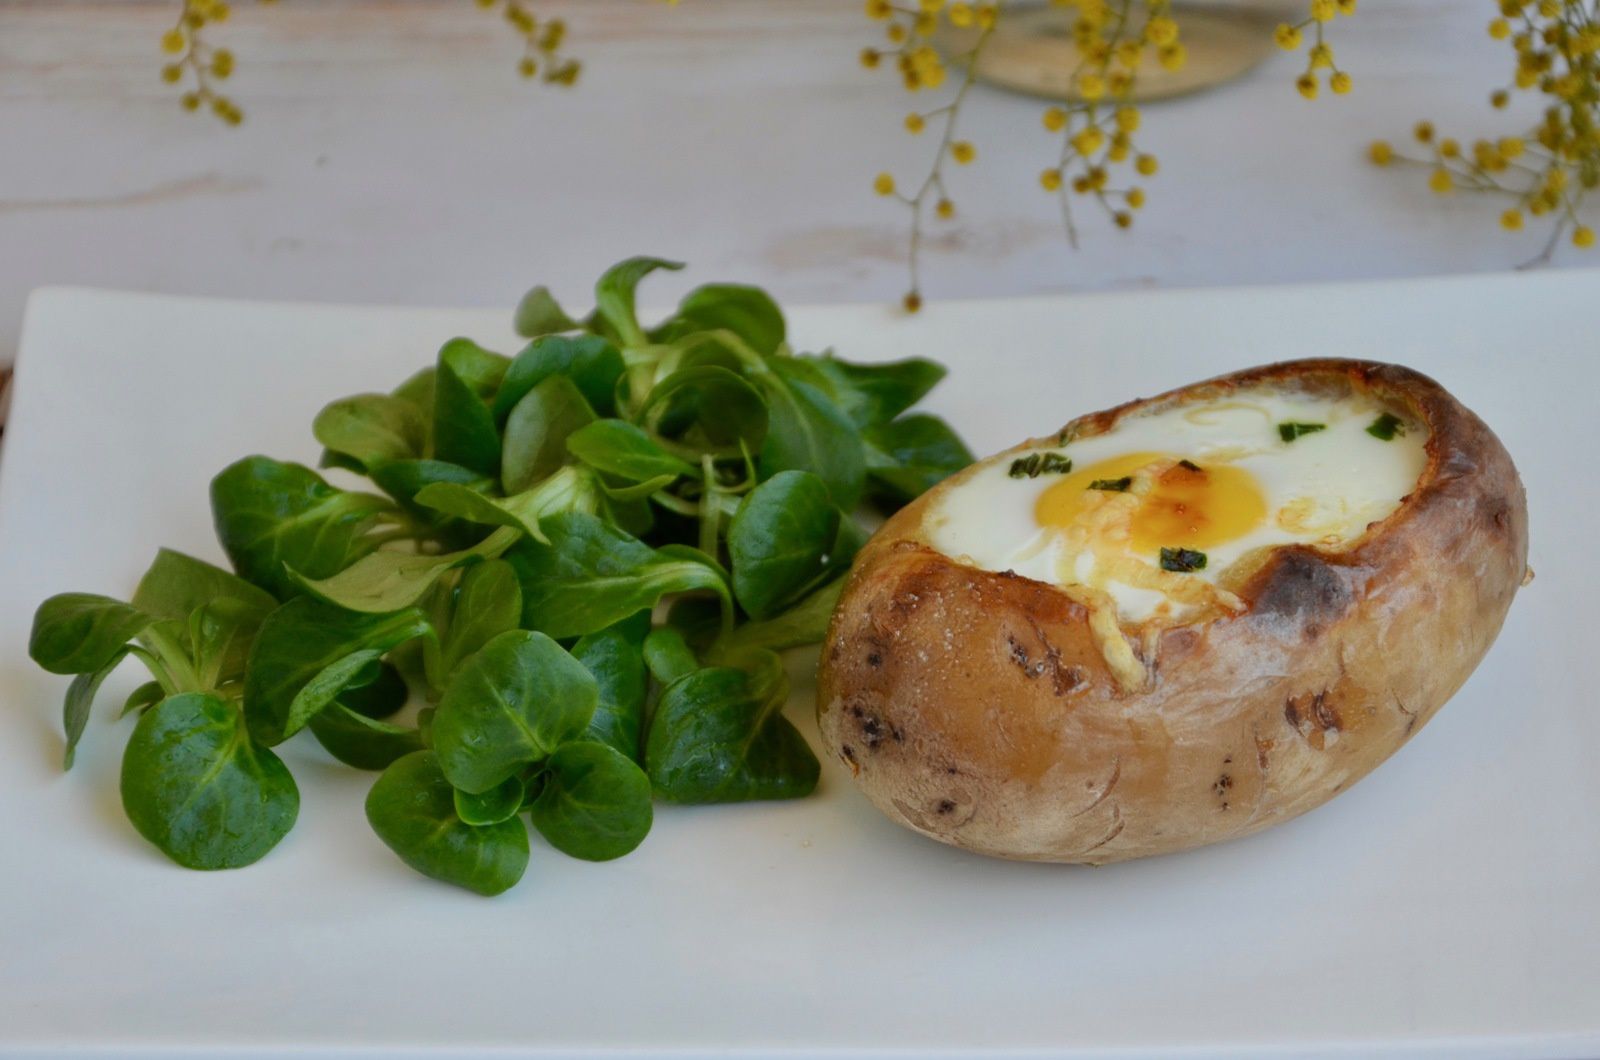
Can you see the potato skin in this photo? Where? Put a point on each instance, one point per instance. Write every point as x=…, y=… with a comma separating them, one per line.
x=974, y=707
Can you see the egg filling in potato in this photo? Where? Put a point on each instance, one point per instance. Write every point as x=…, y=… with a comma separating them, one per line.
x=1177, y=621
x=1154, y=520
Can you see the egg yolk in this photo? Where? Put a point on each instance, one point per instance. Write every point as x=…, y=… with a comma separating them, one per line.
x=1174, y=504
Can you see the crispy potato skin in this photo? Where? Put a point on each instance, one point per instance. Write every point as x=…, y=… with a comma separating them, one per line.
x=975, y=708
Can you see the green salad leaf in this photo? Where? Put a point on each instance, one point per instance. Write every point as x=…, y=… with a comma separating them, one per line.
x=467, y=376
x=510, y=706
x=808, y=432
x=195, y=785
x=540, y=314
x=561, y=595
x=589, y=362
x=593, y=574
x=360, y=741
x=271, y=517
x=370, y=430
x=76, y=633
x=413, y=810
x=614, y=295
x=615, y=657
x=780, y=541
x=306, y=653
x=748, y=312
x=718, y=736
x=909, y=456
x=595, y=804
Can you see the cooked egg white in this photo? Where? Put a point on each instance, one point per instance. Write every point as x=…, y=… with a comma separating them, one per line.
x=1207, y=482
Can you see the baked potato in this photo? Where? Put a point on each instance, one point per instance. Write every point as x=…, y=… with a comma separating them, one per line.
x=1005, y=701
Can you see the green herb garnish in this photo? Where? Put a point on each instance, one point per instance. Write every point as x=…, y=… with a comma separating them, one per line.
x=1035, y=464
x=528, y=516
x=1290, y=431
x=1112, y=485
x=1182, y=560
x=1385, y=427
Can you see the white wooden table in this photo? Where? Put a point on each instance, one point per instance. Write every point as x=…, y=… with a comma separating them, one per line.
x=391, y=154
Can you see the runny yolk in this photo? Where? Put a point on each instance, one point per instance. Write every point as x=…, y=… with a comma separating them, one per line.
x=1174, y=506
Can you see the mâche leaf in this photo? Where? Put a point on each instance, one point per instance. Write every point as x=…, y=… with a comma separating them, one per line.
x=142, y=698
x=719, y=736
x=176, y=584
x=195, y=785
x=80, y=698
x=540, y=314
x=779, y=541
x=620, y=448
x=569, y=489
x=615, y=656
x=499, y=803
x=536, y=431
x=595, y=804
x=221, y=611
x=874, y=394
x=306, y=653
x=748, y=312
x=592, y=575
x=562, y=594
x=614, y=295
x=510, y=706
x=589, y=361
x=360, y=741
x=390, y=580
x=412, y=808
x=404, y=479
x=707, y=407
x=487, y=603
x=272, y=516
x=805, y=622
x=464, y=430
x=909, y=456
x=78, y=633
x=371, y=430
x=667, y=655
x=807, y=432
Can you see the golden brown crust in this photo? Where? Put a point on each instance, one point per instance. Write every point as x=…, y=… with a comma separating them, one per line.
x=975, y=708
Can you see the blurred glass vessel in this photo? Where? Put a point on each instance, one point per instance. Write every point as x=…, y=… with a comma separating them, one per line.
x=1033, y=52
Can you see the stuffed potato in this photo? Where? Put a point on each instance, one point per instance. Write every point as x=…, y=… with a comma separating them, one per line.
x=1177, y=621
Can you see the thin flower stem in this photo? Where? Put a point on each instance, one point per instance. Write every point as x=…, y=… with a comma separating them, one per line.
x=1547, y=170
x=934, y=180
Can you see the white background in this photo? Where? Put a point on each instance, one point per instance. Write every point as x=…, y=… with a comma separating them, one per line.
x=1443, y=906
x=392, y=155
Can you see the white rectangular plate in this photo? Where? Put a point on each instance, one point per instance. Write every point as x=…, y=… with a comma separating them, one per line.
x=1447, y=905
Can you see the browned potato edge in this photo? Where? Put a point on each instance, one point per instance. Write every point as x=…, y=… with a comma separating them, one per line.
x=974, y=707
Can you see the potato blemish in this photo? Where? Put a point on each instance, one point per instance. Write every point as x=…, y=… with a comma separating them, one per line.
x=1057, y=708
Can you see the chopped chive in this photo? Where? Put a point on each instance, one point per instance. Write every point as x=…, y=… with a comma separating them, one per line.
x=1025, y=466
x=1386, y=427
x=1035, y=464
x=1182, y=560
x=1290, y=431
x=1113, y=485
